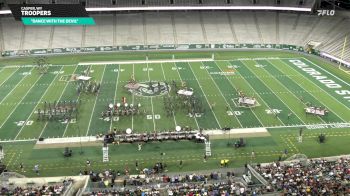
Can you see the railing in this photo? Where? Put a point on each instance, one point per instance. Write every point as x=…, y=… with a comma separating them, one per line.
x=257, y=175
x=68, y=190
x=158, y=186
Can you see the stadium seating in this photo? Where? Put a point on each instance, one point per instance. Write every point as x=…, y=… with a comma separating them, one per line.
x=130, y=29
x=183, y=28
x=37, y=2
x=188, y=27
x=102, y=33
x=318, y=177
x=12, y=34
x=98, y=3
x=67, y=1
x=160, y=26
x=37, y=37
x=42, y=190
x=267, y=25
x=217, y=27
x=67, y=36
x=245, y=27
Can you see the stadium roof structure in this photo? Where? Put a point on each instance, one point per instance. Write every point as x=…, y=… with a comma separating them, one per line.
x=154, y=5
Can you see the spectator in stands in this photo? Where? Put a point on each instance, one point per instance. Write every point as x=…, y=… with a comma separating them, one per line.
x=57, y=189
x=319, y=177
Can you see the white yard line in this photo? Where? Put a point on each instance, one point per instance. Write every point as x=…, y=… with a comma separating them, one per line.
x=93, y=109
x=8, y=76
x=53, y=65
x=59, y=99
x=154, y=122
x=8, y=94
x=217, y=87
x=146, y=61
x=161, y=65
x=261, y=58
x=200, y=86
x=195, y=118
x=9, y=115
x=115, y=95
x=47, y=89
x=237, y=92
x=316, y=97
x=275, y=94
x=67, y=125
x=289, y=90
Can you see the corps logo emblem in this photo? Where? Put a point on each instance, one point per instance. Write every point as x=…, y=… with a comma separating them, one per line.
x=148, y=89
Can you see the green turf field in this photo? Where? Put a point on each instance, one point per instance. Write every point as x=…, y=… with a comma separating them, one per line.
x=283, y=84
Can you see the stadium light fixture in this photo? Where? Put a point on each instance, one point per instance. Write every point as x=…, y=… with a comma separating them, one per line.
x=170, y=8
x=5, y=11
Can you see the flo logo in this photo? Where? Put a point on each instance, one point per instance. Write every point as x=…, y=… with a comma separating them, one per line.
x=325, y=12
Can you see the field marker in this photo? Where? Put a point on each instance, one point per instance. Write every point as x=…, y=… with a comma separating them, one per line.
x=204, y=95
x=93, y=109
x=115, y=94
x=161, y=65
x=195, y=119
x=14, y=88
x=315, y=97
x=224, y=96
x=284, y=140
x=8, y=76
x=59, y=99
x=67, y=125
x=20, y=101
x=296, y=149
x=12, y=156
x=276, y=96
x=154, y=122
x=37, y=104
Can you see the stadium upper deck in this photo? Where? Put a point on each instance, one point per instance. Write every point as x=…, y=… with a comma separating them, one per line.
x=206, y=27
x=118, y=3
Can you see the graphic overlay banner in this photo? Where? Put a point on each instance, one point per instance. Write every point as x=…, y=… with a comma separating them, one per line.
x=51, y=14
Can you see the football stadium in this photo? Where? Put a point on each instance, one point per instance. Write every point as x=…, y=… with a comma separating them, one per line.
x=174, y=97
